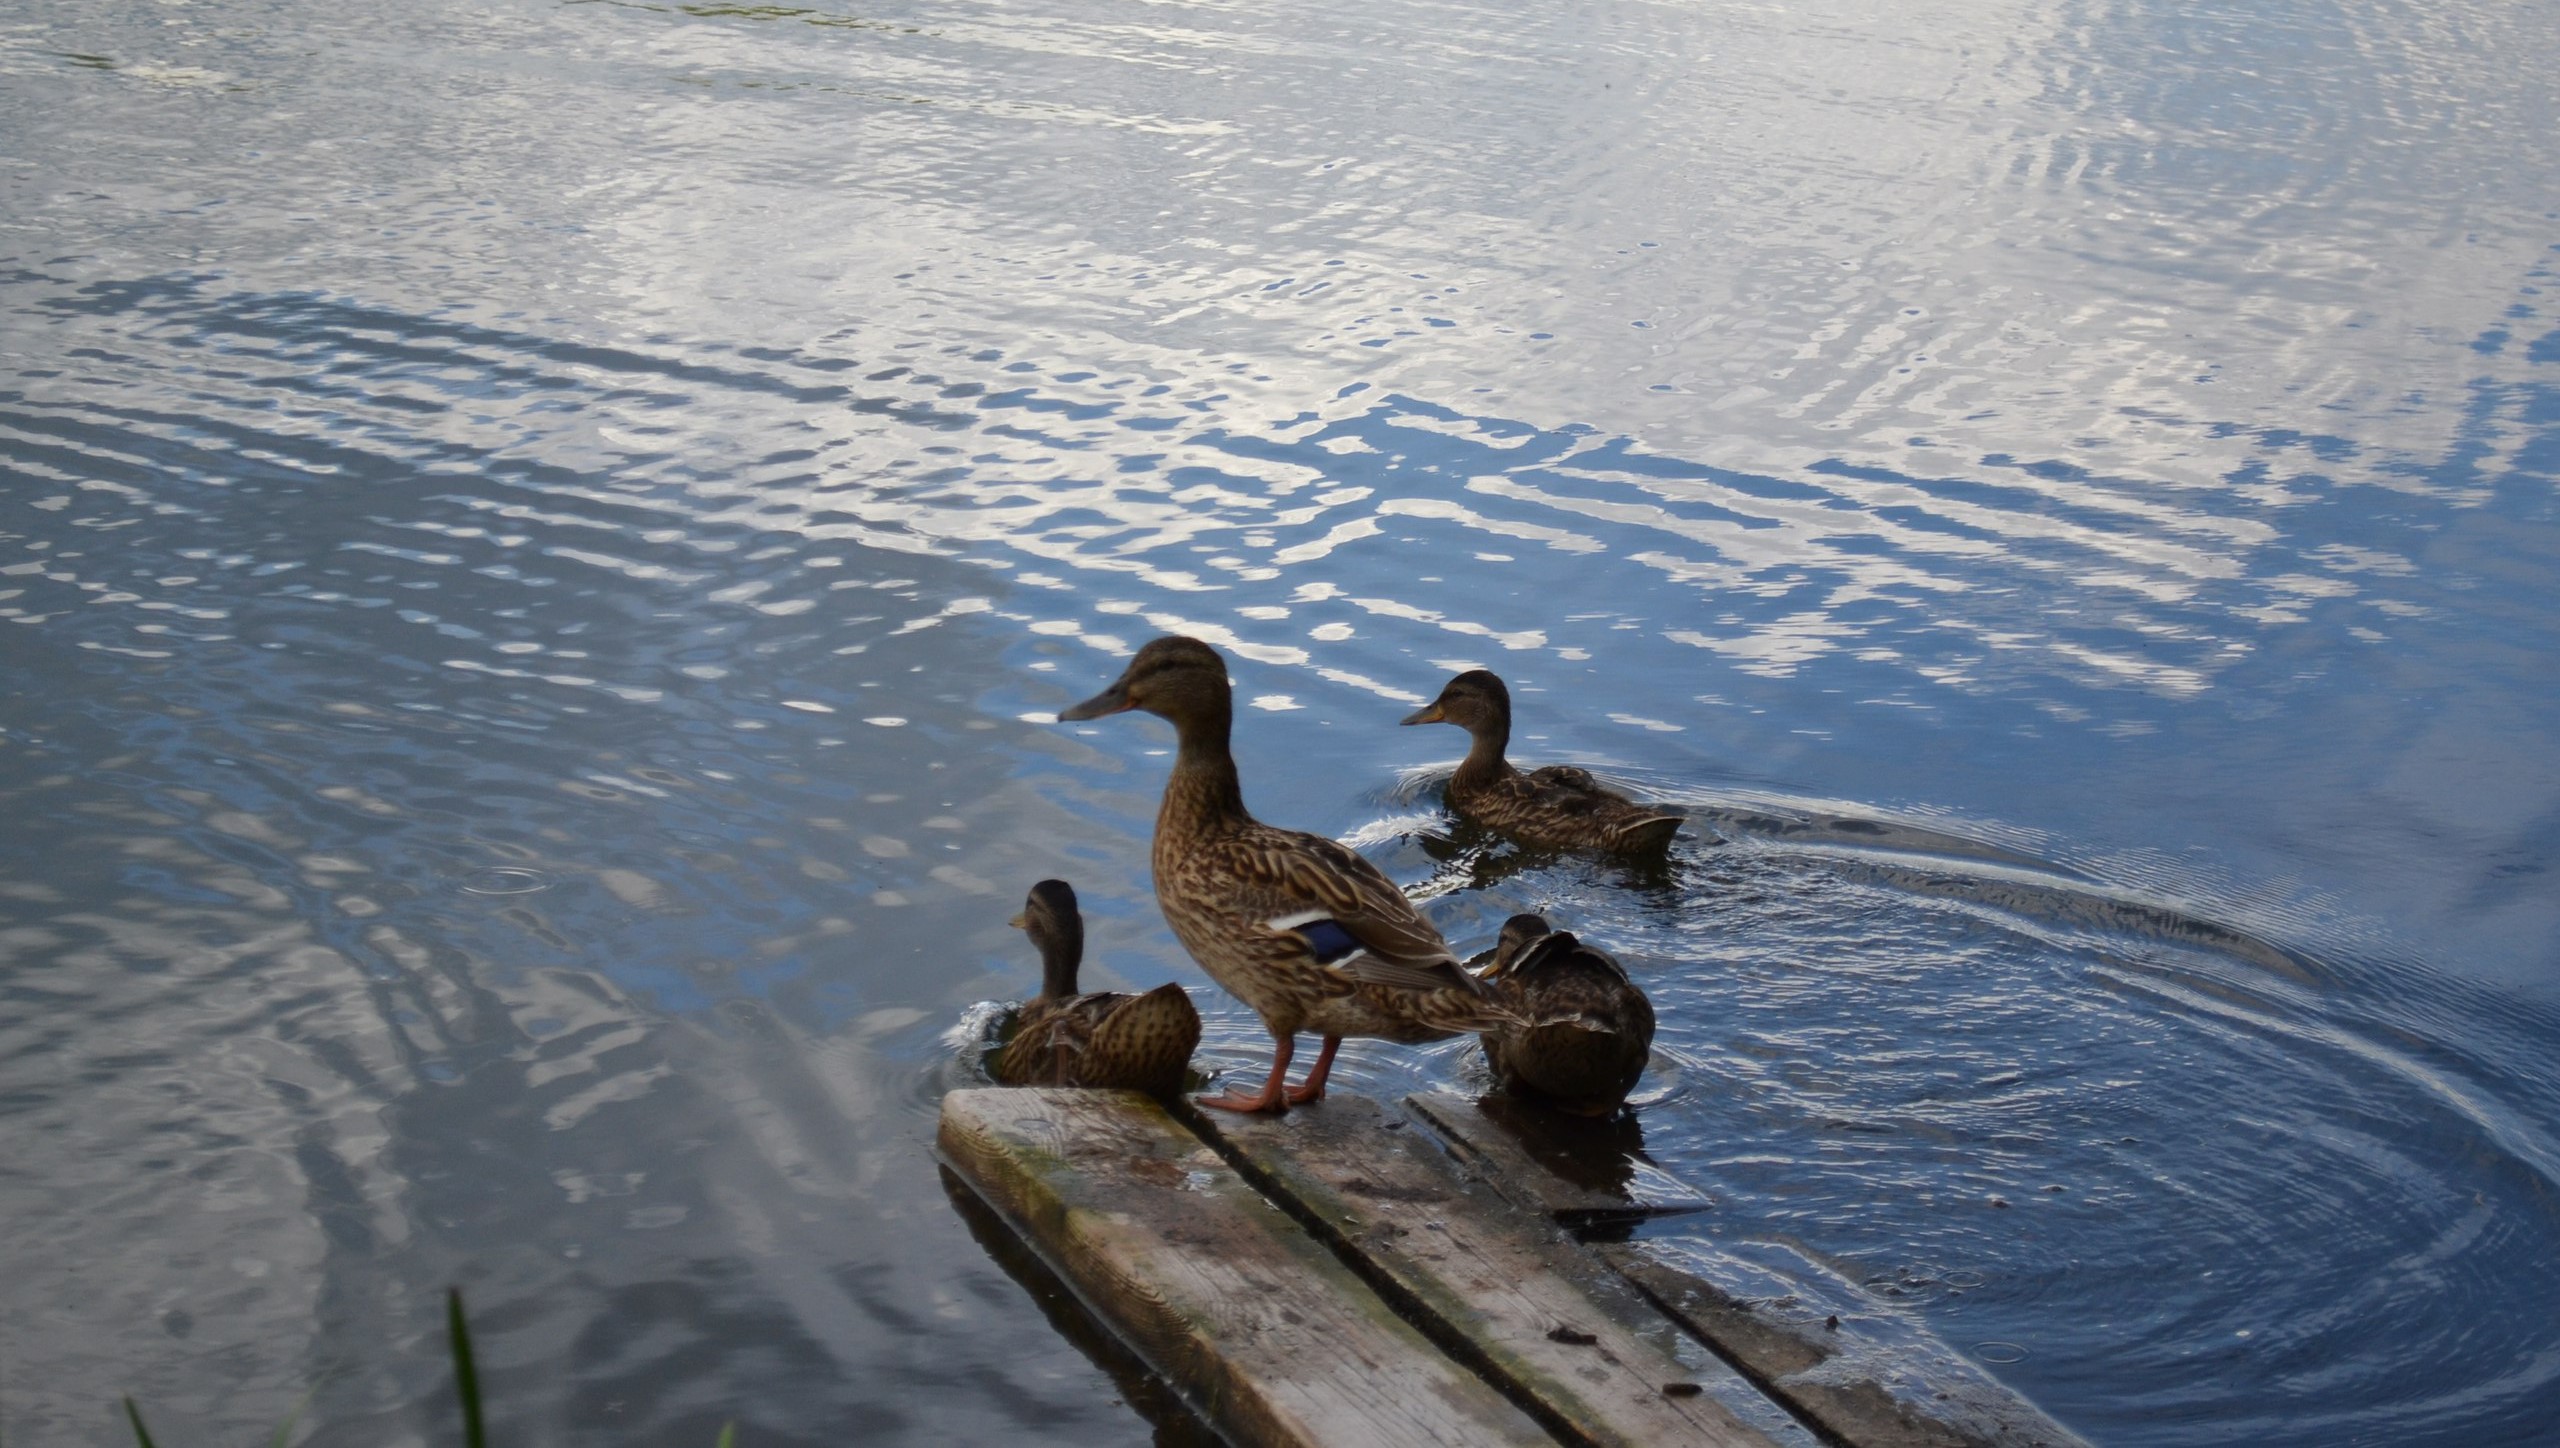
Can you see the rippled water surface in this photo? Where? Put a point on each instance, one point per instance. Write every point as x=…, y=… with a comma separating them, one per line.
x=539, y=542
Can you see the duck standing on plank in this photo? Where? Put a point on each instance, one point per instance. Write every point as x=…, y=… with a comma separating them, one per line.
x=1559, y=806
x=1105, y=1038
x=1588, y=1029
x=1303, y=930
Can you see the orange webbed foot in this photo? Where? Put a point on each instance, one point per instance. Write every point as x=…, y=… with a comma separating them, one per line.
x=1312, y=1089
x=1266, y=1100
x=1272, y=1097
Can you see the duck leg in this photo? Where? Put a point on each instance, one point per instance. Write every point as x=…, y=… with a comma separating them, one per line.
x=1274, y=1095
x=1312, y=1089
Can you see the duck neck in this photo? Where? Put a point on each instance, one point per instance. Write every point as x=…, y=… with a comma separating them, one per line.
x=1061, y=956
x=1203, y=795
x=1484, y=761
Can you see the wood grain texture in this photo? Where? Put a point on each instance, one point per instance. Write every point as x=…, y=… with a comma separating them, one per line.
x=1274, y=1340
x=1859, y=1372
x=1863, y=1373
x=1502, y=1288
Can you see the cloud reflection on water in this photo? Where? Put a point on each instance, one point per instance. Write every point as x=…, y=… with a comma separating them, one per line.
x=2123, y=434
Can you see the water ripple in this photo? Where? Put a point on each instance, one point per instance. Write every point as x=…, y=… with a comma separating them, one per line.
x=2063, y=496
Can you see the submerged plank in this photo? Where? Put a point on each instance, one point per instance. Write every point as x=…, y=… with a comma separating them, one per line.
x=1501, y=1288
x=1267, y=1332
x=1865, y=1374
x=1590, y=1175
x=1861, y=1373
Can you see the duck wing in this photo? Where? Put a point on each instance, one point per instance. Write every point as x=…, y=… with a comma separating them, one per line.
x=1559, y=954
x=1048, y=1036
x=1351, y=916
x=1145, y=1042
x=1559, y=981
x=1566, y=801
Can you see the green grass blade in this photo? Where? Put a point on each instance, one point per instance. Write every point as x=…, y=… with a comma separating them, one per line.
x=141, y=1435
x=466, y=1378
x=728, y=1435
x=284, y=1430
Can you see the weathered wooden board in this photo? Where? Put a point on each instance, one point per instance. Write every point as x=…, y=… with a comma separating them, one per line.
x=1174, y=1421
x=1269, y=1334
x=1860, y=1372
x=1502, y=1289
x=1877, y=1379
x=1590, y=1175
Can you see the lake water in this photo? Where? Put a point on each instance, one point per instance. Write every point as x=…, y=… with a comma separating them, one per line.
x=539, y=542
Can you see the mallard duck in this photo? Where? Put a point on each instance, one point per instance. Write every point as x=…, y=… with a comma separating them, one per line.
x=1306, y=932
x=1106, y=1038
x=1559, y=806
x=1589, y=1029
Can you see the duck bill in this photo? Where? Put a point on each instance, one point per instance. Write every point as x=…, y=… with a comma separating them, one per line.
x=1021, y=921
x=1427, y=714
x=1114, y=700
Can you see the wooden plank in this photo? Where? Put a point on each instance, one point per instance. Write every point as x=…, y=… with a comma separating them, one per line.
x=1265, y=1330
x=1860, y=1372
x=1590, y=1175
x=1501, y=1289
x=1166, y=1411
x=1863, y=1373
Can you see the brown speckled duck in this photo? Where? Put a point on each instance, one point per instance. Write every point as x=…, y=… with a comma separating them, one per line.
x=1589, y=1031
x=1105, y=1038
x=1559, y=806
x=1306, y=932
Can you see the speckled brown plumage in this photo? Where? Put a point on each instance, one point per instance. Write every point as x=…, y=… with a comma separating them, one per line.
x=1101, y=1038
x=1588, y=1029
x=1559, y=806
x=1304, y=931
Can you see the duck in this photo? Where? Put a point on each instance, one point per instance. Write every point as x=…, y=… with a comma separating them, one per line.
x=1555, y=807
x=1301, y=929
x=1102, y=1038
x=1588, y=1029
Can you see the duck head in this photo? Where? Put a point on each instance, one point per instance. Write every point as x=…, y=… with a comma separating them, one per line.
x=1518, y=934
x=1181, y=679
x=1475, y=701
x=1052, y=921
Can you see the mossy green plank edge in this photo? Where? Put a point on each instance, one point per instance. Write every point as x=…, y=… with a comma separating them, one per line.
x=1270, y=1336
x=1501, y=1288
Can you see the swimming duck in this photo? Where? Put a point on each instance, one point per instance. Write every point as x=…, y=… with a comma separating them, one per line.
x=1307, y=933
x=1589, y=1031
x=1559, y=806
x=1106, y=1038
